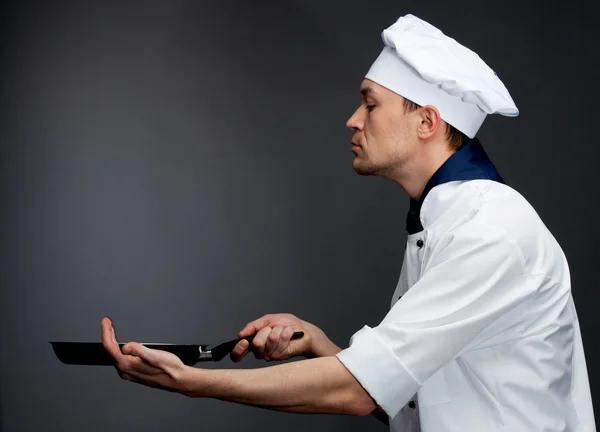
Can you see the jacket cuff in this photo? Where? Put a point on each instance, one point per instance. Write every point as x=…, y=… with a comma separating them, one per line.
x=379, y=371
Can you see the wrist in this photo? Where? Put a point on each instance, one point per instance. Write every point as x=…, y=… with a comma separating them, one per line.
x=321, y=345
x=325, y=348
x=187, y=382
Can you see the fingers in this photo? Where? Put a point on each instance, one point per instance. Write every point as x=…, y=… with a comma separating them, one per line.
x=251, y=329
x=272, y=342
x=272, y=334
x=255, y=326
x=259, y=342
x=284, y=343
x=133, y=360
x=278, y=343
x=109, y=340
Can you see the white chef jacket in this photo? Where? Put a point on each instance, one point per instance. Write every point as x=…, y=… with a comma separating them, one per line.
x=483, y=334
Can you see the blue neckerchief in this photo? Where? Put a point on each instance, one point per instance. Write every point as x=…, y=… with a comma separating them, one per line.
x=469, y=163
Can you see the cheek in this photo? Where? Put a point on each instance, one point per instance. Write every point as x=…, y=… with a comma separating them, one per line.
x=375, y=129
x=383, y=132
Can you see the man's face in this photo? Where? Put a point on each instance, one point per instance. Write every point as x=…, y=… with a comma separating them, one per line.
x=384, y=136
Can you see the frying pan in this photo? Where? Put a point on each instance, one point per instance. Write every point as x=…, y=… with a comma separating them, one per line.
x=94, y=353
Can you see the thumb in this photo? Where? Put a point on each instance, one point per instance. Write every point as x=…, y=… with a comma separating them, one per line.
x=130, y=348
x=240, y=351
x=138, y=350
x=144, y=361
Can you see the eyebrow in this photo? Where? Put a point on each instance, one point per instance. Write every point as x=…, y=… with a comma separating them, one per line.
x=368, y=91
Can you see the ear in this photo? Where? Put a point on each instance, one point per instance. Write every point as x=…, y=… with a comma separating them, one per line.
x=429, y=122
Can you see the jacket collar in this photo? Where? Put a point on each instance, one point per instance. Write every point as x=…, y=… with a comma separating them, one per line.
x=468, y=163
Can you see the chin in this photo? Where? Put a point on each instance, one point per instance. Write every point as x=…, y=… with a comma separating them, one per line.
x=362, y=169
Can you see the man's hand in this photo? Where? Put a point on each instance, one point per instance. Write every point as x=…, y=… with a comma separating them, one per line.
x=272, y=339
x=135, y=362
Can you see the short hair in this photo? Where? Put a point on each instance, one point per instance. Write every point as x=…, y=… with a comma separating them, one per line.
x=456, y=139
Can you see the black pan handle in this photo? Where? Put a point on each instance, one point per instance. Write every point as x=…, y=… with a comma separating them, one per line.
x=220, y=351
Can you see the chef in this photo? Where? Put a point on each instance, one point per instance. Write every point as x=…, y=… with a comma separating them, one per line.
x=482, y=333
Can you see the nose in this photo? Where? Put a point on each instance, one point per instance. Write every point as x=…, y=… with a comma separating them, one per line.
x=355, y=122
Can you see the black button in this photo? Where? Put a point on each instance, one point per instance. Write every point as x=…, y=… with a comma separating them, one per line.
x=411, y=404
x=419, y=243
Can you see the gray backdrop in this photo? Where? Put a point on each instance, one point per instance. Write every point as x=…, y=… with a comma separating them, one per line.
x=184, y=167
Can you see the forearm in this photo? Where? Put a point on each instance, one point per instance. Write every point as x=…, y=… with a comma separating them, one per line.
x=328, y=348
x=320, y=385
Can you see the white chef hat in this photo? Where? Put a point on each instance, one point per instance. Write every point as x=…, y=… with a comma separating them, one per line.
x=423, y=65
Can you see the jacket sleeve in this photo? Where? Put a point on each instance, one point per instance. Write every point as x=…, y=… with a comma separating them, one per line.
x=468, y=283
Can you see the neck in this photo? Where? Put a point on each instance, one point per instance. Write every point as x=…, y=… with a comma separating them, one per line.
x=421, y=167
